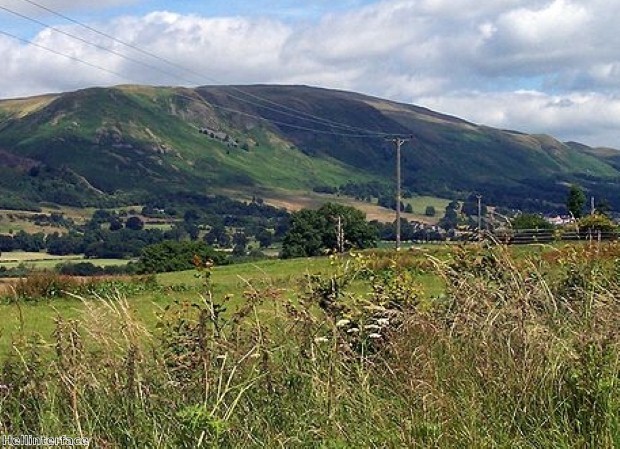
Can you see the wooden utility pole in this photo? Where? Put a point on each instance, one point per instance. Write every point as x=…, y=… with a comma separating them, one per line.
x=398, y=142
x=479, y=216
x=339, y=235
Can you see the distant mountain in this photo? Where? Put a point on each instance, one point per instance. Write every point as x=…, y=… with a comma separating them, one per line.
x=117, y=145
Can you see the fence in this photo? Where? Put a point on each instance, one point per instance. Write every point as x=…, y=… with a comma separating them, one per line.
x=528, y=236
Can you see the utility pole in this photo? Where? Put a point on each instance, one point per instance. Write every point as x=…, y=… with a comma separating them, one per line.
x=398, y=142
x=479, y=216
x=339, y=235
x=592, y=210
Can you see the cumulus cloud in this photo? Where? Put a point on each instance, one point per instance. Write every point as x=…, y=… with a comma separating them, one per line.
x=549, y=66
x=581, y=117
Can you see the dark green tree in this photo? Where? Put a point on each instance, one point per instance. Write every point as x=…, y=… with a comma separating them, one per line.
x=175, y=256
x=134, y=223
x=115, y=224
x=240, y=239
x=451, y=218
x=530, y=221
x=575, y=201
x=305, y=235
x=313, y=232
x=430, y=211
x=264, y=237
x=218, y=235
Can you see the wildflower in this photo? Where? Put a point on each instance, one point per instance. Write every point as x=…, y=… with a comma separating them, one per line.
x=342, y=323
x=321, y=340
x=353, y=330
x=374, y=336
x=372, y=327
x=383, y=322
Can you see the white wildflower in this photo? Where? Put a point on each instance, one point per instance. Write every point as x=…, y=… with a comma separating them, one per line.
x=343, y=323
x=372, y=327
x=321, y=340
x=374, y=336
x=383, y=322
x=353, y=330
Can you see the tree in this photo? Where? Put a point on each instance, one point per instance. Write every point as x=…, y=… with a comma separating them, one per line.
x=134, y=223
x=451, y=218
x=314, y=231
x=264, y=237
x=430, y=211
x=240, y=239
x=174, y=256
x=530, y=221
x=115, y=224
x=575, y=201
x=603, y=207
x=305, y=235
x=218, y=235
x=409, y=208
x=595, y=223
x=470, y=206
x=191, y=216
x=193, y=230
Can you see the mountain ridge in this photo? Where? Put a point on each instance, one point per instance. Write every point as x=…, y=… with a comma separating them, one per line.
x=133, y=140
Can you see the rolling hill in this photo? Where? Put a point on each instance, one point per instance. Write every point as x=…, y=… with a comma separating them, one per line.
x=105, y=146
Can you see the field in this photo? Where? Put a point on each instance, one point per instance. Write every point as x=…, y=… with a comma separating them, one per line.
x=295, y=200
x=39, y=316
x=15, y=221
x=441, y=346
x=42, y=260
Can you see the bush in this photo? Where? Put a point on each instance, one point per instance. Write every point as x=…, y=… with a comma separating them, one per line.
x=430, y=211
x=175, y=256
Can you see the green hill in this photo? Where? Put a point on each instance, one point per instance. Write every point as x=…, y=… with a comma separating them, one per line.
x=116, y=145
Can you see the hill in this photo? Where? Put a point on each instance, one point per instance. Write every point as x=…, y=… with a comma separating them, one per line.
x=106, y=146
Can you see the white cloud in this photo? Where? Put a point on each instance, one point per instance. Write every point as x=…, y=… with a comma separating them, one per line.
x=536, y=65
x=582, y=117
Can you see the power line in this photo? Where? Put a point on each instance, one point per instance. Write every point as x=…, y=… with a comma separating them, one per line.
x=200, y=98
x=276, y=122
x=296, y=113
x=93, y=44
x=42, y=47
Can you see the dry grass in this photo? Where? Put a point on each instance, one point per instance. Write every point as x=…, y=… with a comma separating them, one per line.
x=511, y=355
x=296, y=200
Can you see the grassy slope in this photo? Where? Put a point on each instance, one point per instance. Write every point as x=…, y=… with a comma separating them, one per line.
x=182, y=158
x=138, y=139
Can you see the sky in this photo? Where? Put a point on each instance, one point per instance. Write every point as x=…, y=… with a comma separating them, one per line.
x=537, y=66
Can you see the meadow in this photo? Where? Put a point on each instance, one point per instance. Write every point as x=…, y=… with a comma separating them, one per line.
x=459, y=346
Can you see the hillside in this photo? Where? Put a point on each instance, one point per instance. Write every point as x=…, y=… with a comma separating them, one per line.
x=103, y=146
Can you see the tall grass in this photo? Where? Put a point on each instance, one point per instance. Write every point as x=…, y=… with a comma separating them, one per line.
x=515, y=353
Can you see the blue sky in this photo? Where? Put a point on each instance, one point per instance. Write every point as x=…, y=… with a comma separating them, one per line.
x=539, y=66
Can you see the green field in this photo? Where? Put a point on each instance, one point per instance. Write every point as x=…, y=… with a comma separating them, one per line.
x=41, y=260
x=439, y=346
x=234, y=280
